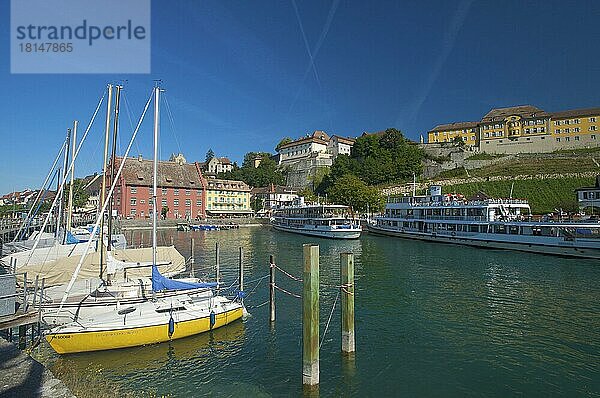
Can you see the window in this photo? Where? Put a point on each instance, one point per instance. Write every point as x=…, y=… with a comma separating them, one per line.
x=526, y=131
x=176, y=191
x=593, y=136
x=133, y=201
x=199, y=202
x=592, y=128
x=188, y=192
x=557, y=139
x=576, y=130
x=487, y=135
x=592, y=120
x=566, y=122
x=164, y=202
x=542, y=129
x=132, y=212
x=557, y=122
x=175, y=202
x=576, y=121
x=557, y=131
x=188, y=203
x=164, y=191
x=133, y=190
x=567, y=138
x=576, y=138
x=142, y=201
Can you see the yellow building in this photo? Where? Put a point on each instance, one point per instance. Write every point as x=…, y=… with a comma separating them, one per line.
x=524, y=128
x=465, y=131
x=227, y=198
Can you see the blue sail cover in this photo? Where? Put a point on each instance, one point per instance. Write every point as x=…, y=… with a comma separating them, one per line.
x=71, y=239
x=159, y=282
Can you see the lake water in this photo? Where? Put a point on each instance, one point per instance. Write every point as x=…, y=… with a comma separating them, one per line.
x=431, y=320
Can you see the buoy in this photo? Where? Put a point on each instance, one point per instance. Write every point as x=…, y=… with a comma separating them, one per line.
x=171, y=326
x=213, y=319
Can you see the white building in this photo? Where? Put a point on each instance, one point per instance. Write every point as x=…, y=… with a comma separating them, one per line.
x=218, y=165
x=589, y=197
x=318, y=142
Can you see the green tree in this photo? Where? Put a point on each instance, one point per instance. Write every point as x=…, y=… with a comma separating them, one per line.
x=209, y=155
x=164, y=211
x=352, y=191
x=267, y=172
x=80, y=196
x=284, y=141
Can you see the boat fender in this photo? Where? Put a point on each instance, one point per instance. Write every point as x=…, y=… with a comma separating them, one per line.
x=241, y=294
x=171, y=326
x=213, y=319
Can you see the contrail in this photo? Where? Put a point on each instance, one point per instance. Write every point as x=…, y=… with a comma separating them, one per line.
x=313, y=54
x=449, y=41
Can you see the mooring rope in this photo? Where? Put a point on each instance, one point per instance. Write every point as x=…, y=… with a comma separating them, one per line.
x=286, y=292
x=329, y=320
x=287, y=273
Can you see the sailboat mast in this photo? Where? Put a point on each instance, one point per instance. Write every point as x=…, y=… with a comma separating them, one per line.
x=112, y=163
x=155, y=173
x=70, y=206
x=100, y=245
x=59, y=222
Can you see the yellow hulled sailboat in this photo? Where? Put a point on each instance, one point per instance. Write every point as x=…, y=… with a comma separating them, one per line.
x=192, y=309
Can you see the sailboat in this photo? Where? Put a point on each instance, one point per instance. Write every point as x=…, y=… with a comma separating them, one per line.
x=192, y=311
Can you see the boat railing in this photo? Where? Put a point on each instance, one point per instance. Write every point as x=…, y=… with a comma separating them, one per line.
x=459, y=203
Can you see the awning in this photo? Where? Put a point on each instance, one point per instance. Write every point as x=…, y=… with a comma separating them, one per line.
x=224, y=211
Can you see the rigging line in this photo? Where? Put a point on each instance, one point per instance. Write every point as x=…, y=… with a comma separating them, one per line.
x=101, y=212
x=42, y=189
x=64, y=179
x=127, y=110
x=329, y=320
x=172, y=121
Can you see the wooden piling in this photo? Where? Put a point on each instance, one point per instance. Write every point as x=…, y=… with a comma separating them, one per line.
x=192, y=257
x=272, y=288
x=310, y=316
x=217, y=272
x=347, y=293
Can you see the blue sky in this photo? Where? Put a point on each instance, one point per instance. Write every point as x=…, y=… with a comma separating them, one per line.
x=238, y=75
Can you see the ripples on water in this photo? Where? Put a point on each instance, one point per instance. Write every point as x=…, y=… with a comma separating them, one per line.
x=431, y=320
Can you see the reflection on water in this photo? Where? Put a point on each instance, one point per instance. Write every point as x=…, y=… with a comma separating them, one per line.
x=431, y=320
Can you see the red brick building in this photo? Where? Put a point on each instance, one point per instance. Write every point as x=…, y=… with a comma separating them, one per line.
x=181, y=188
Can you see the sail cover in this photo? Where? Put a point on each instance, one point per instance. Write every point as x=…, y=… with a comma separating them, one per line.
x=159, y=282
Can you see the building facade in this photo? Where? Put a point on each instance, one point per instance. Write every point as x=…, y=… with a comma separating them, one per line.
x=181, y=189
x=227, y=198
x=589, y=197
x=218, y=165
x=268, y=198
x=524, y=128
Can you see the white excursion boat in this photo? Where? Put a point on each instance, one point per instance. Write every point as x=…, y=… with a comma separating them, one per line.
x=490, y=223
x=325, y=221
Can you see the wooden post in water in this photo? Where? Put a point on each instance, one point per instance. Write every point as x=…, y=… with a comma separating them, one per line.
x=192, y=258
x=217, y=251
x=271, y=288
x=310, y=316
x=347, y=286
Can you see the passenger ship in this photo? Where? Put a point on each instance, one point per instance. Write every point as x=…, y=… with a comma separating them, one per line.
x=490, y=223
x=325, y=221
